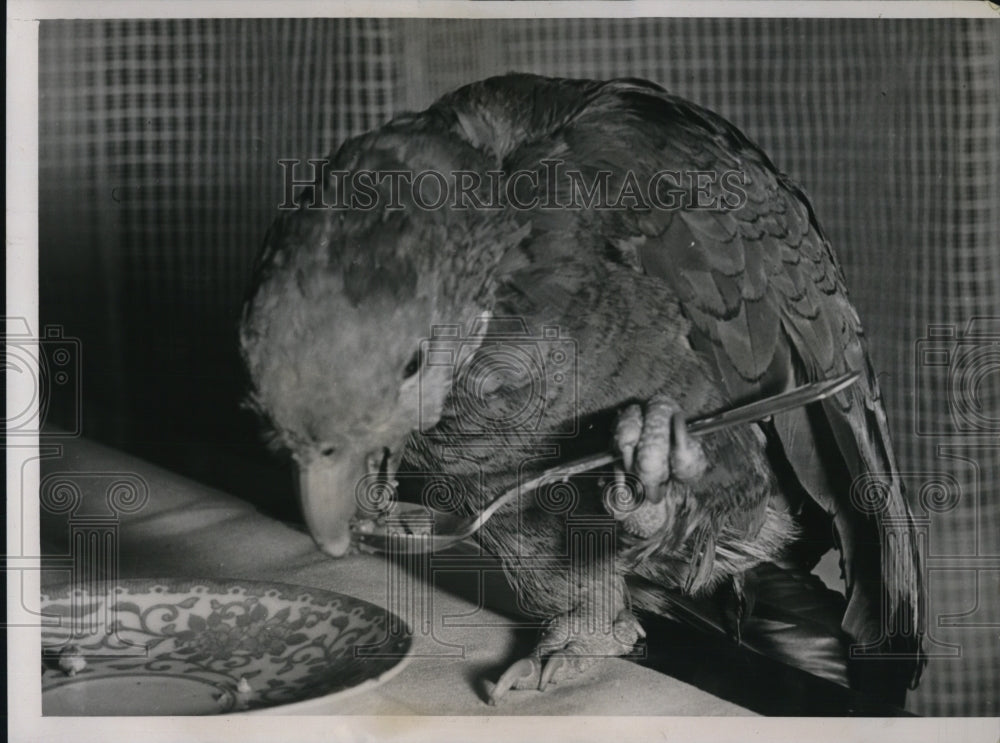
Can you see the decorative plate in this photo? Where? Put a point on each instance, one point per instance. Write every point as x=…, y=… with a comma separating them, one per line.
x=182, y=647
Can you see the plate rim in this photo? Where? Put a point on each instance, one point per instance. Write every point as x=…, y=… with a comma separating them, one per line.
x=286, y=591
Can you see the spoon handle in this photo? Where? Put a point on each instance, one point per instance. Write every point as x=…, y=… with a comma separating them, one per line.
x=754, y=411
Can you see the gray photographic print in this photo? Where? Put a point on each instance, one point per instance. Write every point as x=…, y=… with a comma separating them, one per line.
x=474, y=370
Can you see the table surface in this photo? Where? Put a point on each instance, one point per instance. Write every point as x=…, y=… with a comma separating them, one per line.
x=188, y=530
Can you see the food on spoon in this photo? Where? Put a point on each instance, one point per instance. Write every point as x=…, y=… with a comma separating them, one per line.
x=408, y=519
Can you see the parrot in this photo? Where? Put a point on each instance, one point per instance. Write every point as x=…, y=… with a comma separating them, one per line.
x=581, y=265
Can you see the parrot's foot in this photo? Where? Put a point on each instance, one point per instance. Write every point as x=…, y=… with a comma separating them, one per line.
x=565, y=651
x=655, y=446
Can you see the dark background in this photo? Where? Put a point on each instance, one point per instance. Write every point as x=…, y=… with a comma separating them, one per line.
x=159, y=143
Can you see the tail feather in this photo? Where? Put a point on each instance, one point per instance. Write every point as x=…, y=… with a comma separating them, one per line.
x=795, y=619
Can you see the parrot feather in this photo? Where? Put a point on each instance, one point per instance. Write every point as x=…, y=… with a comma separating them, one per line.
x=702, y=307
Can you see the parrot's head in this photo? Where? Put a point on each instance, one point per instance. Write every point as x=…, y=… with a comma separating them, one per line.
x=335, y=338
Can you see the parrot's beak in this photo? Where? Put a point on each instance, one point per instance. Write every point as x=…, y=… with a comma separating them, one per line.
x=326, y=488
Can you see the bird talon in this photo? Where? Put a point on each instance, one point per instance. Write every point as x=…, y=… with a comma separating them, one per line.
x=554, y=665
x=656, y=447
x=627, y=433
x=523, y=670
x=687, y=458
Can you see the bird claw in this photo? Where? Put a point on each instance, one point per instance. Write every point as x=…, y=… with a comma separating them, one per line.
x=655, y=447
x=655, y=443
x=561, y=666
x=687, y=458
x=524, y=670
x=533, y=673
x=568, y=658
x=553, y=666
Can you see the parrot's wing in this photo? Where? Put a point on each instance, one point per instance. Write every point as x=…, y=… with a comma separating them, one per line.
x=767, y=300
x=758, y=281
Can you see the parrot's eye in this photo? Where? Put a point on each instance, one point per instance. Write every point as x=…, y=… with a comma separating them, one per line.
x=413, y=365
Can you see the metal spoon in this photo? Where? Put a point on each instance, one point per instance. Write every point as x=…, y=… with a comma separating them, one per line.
x=440, y=529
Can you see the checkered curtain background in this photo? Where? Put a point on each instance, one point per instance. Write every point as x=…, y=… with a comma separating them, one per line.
x=159, y=143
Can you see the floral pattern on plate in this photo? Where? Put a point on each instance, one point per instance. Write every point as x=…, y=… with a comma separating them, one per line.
x=140, y=647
